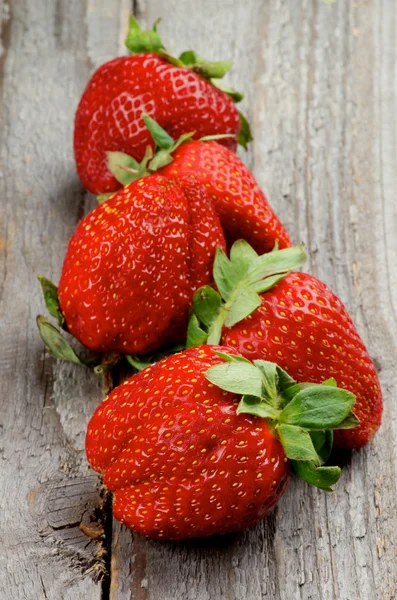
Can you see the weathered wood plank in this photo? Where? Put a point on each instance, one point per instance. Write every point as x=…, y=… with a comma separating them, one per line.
x=321, y=94
x=49, y=49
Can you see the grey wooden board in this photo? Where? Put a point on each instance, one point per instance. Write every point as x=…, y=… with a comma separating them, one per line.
x=321, y=94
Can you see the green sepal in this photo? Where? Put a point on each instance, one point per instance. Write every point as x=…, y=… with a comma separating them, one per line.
x=101, y=198
x=318, y=407
x=253, y=405
x=237, y=377
x=173, y=60
x=206, y=304
x=245, y=135
x=216, y=137
x=297, y=443
x=125, y=168
x=137, y=363
x=159, y=135
x=208, y=70
x=231, y=357
x=138, y=40
x=322, y=442
x=350, y=422
x=50, y=293
x=246, y=301
x=232, y=93
x=302, y=415
x=239, y=280
x=321, y=477
x=56, y=343
x=196, y=336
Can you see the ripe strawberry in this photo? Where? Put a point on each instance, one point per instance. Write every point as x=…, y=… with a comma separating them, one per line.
x=299, y=323
x=181, y=94
x=241, y=205
x=182, y=458
x=134, y=262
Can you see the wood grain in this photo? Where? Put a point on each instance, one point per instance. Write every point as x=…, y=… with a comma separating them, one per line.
x=321, y=94
x=47, y=489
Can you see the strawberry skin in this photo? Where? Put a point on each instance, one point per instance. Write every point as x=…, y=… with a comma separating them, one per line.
x=180, y=461
x=134, y=262
x=305, y=328
x=108, y=117
x=241, y=205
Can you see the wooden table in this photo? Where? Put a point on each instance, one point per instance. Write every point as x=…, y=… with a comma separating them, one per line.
x=321, y=94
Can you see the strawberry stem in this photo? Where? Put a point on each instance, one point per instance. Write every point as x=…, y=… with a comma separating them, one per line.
x=240, y=280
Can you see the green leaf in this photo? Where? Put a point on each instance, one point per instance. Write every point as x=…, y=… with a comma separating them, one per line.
x=285, y=381
x=297, y=443
x=123, y=167
x=50, y=293
x=216, y=136
x=244, y=303
x=161, y=159
x=135, y=362
x=171, y=59
x=139, y=40
x=237, y=377
x=231, y=357
x=276, y=262
x=268, y=283
x=224, y=276
x=255, y=406
x=195, y=335
x=55, y=343
x=350, y=422
x=245, y=135
x=101, y=198
x=188, y=58
x=270, y=378
x=331, y=382
x=159, y=135
x=233, y=94
x=215, y=331
x=322, y=442
x=242, y=257
x=212, y=70
x=206, y=304
x=318, y=407
x=321, y=477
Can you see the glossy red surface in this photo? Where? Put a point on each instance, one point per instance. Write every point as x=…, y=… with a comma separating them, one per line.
x=241, y=205
x=304, y=327
x=133, y=265
x=180, y=461
x=108, y=117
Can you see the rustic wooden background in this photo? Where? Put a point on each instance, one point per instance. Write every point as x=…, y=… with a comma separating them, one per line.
x=321, y=94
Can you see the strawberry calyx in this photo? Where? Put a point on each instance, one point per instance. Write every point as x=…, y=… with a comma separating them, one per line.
x=126, y=169
x=140, y=40
x=302, y=415
x=58, y=346
x=240, y=280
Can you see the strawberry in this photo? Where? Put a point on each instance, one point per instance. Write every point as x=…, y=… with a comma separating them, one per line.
x=182, y=94
x=297, y=321
x=241, y=205
x=133, y=264
x=198, y=444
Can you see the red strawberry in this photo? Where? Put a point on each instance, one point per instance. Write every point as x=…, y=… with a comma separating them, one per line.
x=133, y=263
x=241, y=205
x=183, y=462
x=300, y=324
x=181, y=94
